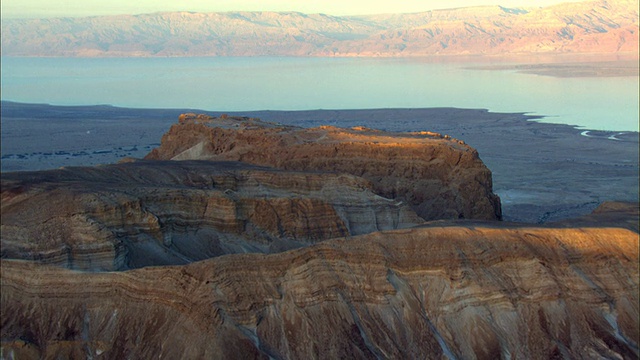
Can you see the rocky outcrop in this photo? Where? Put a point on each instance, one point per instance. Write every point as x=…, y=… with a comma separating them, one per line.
x=324, y=255
x=585, y=27
x=456, y=290
x=440, y=177
x=158, y=213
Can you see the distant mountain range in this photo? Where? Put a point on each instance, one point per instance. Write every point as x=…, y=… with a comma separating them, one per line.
x=584, y=27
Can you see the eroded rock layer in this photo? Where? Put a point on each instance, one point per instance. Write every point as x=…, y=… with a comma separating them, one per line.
x=457, y=290
x=440, y=177
x=158, y=213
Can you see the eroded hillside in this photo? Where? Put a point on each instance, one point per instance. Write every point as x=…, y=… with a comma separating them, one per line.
x=289, y=243
x=454, y=290
x=132, y=215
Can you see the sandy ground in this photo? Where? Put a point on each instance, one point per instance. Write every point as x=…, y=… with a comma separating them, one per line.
x=542, y=172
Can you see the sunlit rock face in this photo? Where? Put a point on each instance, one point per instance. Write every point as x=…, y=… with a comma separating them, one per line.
x=467, y=290
x=157, y=213
x=587, y=27
x=304, y=244
x=439, y=177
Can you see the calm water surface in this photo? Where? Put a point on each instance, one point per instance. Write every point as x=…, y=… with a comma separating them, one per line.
x=237, y=84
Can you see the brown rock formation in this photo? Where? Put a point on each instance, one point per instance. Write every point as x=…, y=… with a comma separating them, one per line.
x=440, y=177
x=460, y=290
x=401, y=289
x=156, y=213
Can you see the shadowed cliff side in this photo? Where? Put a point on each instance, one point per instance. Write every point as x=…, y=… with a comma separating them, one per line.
x=358, y=273
x=458, y=290
x=440, y=177
x=166, y=212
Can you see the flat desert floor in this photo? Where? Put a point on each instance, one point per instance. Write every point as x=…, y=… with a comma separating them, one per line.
x=542, y=172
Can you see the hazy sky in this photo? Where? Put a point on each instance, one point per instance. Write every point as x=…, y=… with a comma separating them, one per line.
x=49, y=8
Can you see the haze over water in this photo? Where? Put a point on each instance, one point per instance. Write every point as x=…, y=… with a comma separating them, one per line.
x=262, y=83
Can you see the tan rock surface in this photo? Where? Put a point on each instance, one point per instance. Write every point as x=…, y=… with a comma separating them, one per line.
x=158, y=213
x=438, y=176
x=457, y=289
x=542, y=172
x=450, y=288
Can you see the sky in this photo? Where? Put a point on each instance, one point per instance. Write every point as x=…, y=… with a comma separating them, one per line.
x=74, y=8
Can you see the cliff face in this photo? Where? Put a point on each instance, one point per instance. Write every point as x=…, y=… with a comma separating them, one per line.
x=324, y=183
x=584, y=27
x=325, y=256
x=471, y=291
x=158, y=213
x=440, y=177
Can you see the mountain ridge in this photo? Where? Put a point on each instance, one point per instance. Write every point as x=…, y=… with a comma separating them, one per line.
x=585, y=27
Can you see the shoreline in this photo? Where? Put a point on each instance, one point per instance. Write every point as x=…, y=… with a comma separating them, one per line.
x=110, y=111
x=542, y=172
x=561, y=65
x=526, y=58
x=607, y=68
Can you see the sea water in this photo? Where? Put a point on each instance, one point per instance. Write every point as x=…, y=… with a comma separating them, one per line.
x=283, y=83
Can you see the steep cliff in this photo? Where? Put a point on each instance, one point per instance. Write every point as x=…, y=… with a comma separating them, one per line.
x=157, y=213
x=324, y=255
x=440, y=177
x=466, y=290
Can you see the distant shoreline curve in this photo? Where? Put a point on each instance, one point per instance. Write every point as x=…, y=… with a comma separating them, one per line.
x=8, y=107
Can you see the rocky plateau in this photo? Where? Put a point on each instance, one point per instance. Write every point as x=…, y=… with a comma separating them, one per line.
x=440, y=177
x=238, y=238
